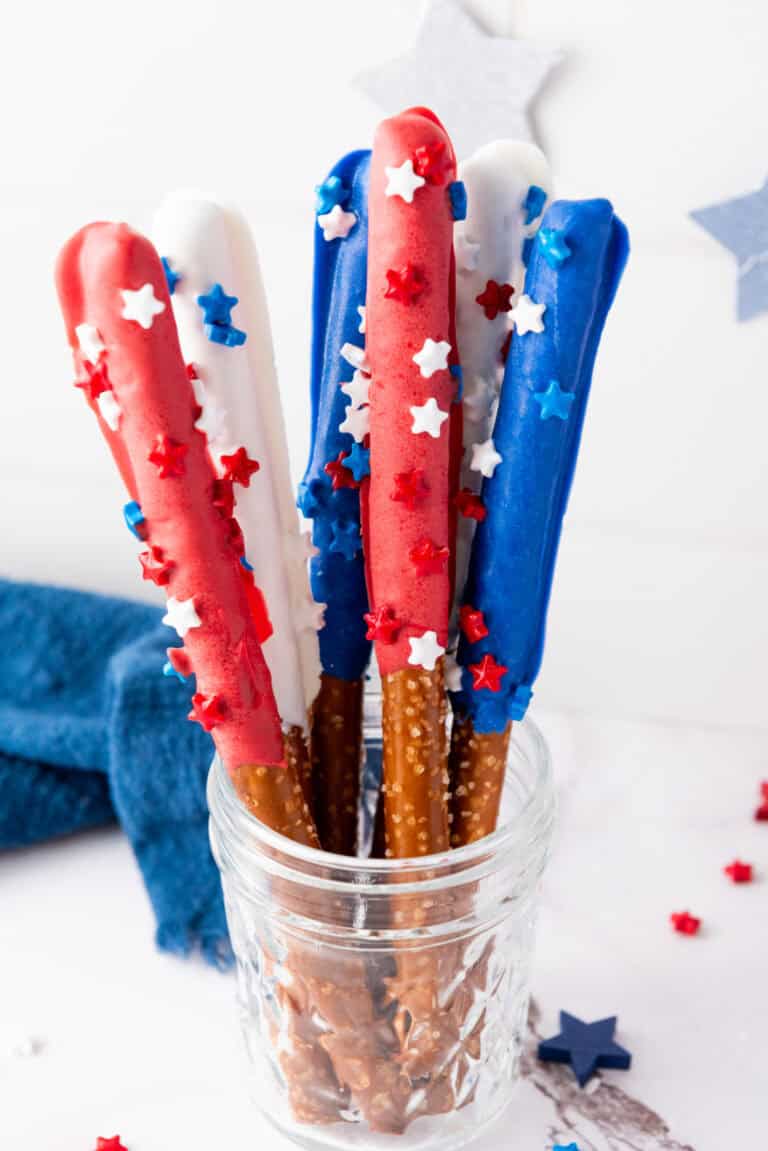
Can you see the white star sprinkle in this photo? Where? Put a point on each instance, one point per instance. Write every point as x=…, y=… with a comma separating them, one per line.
x=478, y=399
x=467, y=254
x=110, y=410
x=89, y=339
x=356, y=423
x=337, y=224
x=181, y=614
x=310, y=616
x=526, y=316
x=433, y=357
x=141, y=306
x=425, y=650
x=212, y=421
x=355, y=356
x=485, y=458
x=403, y=181
x=428, y=418
x=452, y=674
x=358, y=389
x=361, y=314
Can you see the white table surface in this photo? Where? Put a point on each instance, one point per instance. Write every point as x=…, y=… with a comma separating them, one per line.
x=148, y=1046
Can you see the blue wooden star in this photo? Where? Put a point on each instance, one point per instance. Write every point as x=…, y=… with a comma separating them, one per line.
x=741, y=225
x=554, y=246
x=554, y=402
x=171, y=278
x=358, y=460
x=346, y=538
x=330, y=193
x=586, y=1046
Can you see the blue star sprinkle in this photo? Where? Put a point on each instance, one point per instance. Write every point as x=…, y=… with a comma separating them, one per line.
x=134, y=520
x=457, y=194
x=554, y=246
x=527, y=249
x=171, y=278
x=330, y=193
x=565, y=1147
x=358, y=460
x=533, y=204
x=248, y=567
x=554, y=402
x=225, y=334
x=741, y=225
x=311, y=497
x=586, y=1046
x=217, y=316
x=346, y=538
x=458, y=375
x=169, y=670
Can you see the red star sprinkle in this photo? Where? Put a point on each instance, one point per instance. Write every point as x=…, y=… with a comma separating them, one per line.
x=179, y=660
x=207, y=710
x=154, y=567
x=168, y=457
x=432, y=162
x=472, y=623
x=383, y=624
x=427, y=557
x=95, y=382
x=761, y=813
x=223, y=497
x=112, y=1144
x=405, y=284
x=504, y=353
x=192, y=372
x=258, y=608
x=739, y=872
x=239, y=467
x=470, y=505
x=495, y=298
x=764, y=789
x=341, y=477
x=685, y=923
x=487, y=673
x=410, y=488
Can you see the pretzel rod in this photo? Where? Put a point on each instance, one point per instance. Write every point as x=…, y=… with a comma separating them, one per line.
x=329, y=493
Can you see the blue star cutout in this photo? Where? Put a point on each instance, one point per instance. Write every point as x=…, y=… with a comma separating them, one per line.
x=346, y=538
x=741, y=225
x=217, y=316
x=457, y=194
x=330, y=193
x=586, y=1046
x=134, y=520
x=358, y=460
x=533, y=204
x=171, y=278
x=311, y=497
x=554, y=402
x=554, y=246
x=169, y=670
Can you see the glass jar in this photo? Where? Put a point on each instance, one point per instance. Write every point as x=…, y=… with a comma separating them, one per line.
x=384, y=1002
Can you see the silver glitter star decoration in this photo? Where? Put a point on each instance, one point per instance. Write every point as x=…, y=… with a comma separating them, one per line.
x=480, y=86
x=741, y=225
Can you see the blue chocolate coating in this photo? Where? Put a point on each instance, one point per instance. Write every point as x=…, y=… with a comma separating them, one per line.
x=537, y=432
x=337, y=574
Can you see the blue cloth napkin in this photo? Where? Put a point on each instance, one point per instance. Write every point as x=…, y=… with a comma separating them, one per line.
x=92, y=731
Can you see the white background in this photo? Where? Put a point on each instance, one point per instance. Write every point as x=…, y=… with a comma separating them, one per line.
x=659, y=603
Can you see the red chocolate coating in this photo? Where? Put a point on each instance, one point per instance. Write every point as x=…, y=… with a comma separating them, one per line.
x=152, y=387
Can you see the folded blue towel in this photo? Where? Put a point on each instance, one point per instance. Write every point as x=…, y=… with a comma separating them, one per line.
x=91, y=730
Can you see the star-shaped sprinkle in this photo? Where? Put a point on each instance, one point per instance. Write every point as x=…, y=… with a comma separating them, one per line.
x=457, y=197
x=358, y=460
x=207, y=710
x=341, y=476
x=586, y=1046
x=361, y=314
x=554, y=402
x=403, y=181
x=761, y=812
x=432, y=357
x=239, y=467
x=405, y=284
x=470, y=505
x=427, y=557
x=217, y=306
x=111, y=1144
x=487, y=674
x=495, y=298
x=472, y=623
x=135, y=520
x=90, y=342
x=95, y=380
x=526, y=316
x=356, y=423
x=741, y=225
x=168, y=457
x=179, y=660
x=569, y=1146
x=109, y=409
x=739, y=872
x=141, y=306
x=225, y=334
x=346, y=538
x=485, y=458
x=223, y=496
x=355, y=356
x=554, y=246
x=425, y=650
x=330, y=193
x=310, y=616
x=171, y=278
x=311, y=497
x=358, y=389
x=533, y=204
x=169, y=670
x=467, y=254
x=433, y=162
x=428, y=419
x=383, y=624
x=337, y=224
x=685, y=923
x=181, y=614
x=212, y=421
x=411, y=488
x=155, y=567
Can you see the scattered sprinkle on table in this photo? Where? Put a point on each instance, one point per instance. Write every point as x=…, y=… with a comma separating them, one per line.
x=685, y=923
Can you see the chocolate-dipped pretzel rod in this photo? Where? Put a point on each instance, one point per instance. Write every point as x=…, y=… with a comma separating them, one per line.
x=120, y=326
x=329, y=494
x=573, y=273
